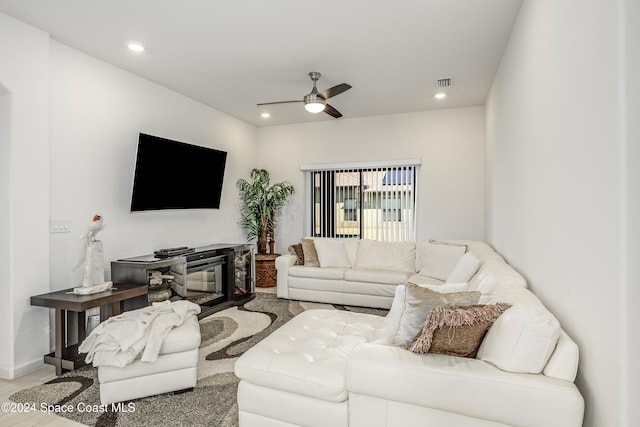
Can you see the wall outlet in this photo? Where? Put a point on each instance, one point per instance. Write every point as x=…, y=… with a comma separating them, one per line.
x=60, y=225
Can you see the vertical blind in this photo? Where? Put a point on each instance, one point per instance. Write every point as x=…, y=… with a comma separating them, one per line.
x=368, y=201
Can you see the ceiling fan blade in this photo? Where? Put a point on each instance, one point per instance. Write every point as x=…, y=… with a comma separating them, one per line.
x=333, y=91
x=278, y=102
x=332, y=111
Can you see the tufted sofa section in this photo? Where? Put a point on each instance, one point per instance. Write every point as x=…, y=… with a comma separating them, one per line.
x=303, y=362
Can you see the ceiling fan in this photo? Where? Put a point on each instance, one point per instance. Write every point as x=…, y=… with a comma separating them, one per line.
x=316, y=102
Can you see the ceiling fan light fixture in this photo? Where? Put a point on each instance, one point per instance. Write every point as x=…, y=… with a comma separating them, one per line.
x=314, y=104
x=136, y=47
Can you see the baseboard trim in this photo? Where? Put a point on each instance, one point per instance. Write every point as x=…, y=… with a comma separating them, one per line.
x=27, y=368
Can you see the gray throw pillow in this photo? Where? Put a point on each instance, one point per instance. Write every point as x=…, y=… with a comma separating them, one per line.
x=418, y=304
x=310, y=254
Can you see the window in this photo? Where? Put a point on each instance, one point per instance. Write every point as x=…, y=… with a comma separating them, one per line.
x=368, y=201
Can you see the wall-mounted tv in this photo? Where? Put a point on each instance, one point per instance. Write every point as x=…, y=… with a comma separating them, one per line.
x=176, y=175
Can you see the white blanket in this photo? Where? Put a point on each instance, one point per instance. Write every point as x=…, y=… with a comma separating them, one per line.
x=119, y=340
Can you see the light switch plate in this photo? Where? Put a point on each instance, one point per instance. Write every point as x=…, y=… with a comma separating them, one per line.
x=60, y=225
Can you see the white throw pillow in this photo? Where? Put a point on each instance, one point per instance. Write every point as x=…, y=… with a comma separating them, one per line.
x=446, y=288
x=464, y=269
x=438, y=259
x=332, y=253
x=394, y=315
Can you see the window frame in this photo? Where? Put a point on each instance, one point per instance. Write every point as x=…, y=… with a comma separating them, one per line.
x=310, y=169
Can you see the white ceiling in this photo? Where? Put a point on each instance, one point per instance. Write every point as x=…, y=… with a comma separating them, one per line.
x=233, y=54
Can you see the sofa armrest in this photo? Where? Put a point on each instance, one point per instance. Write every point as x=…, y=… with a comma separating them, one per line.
x=469, y=387
x=283, y=262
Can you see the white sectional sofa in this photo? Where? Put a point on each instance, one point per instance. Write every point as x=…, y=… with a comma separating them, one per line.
x=366, y=272
x=339, y=368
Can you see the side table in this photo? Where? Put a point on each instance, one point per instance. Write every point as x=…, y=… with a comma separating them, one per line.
x=266, y=270
x=65, y=302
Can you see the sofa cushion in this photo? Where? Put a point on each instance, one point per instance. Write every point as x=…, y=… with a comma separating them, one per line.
x=351, y=248
x=524, y=337
x=495, y=274
x=418, y=302
x=456, y=331
x=393, y=256
x=437, y=259
x=308, y=355
x=377, y=276
x=370, y=289
x=464, y=269
x=317, y=272
x=332, y=253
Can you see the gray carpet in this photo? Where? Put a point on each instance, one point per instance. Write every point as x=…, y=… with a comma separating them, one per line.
x=225, y=336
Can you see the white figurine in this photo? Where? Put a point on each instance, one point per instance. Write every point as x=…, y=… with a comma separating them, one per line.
x=95, y=226
x=91, y=254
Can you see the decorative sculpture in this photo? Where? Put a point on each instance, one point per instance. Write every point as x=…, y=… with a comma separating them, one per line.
x=92, y=255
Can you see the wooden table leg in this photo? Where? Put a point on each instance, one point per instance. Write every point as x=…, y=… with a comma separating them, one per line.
x=116, y=308
x=82, y=326
x=61, y=328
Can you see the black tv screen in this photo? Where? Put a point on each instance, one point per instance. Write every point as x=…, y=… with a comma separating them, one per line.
x=175, y=175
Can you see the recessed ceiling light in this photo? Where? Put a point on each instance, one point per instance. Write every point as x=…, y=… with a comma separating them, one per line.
x=265, y=115
x=440, y=95
x=136, y=47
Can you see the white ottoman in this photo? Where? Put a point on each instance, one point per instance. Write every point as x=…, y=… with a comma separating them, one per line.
x=175, y=368
x=297, y=375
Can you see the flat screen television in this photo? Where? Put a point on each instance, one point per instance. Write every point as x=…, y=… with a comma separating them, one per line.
x=176, y=175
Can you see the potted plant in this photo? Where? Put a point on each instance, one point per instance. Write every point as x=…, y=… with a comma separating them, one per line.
x=261, y=204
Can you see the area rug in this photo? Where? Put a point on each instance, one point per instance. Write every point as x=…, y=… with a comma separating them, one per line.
x=225, y=336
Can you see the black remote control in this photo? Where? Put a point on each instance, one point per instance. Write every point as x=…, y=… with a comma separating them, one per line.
x=178, y=248
x=169, y=252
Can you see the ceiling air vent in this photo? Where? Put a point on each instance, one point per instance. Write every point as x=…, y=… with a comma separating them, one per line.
x=444, y=82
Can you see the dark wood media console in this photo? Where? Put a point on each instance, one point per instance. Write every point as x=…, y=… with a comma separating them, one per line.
x=215, y=277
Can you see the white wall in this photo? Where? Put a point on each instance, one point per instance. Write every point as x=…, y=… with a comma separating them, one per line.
x=24, y=207
x=97, y=111
x=630, y=88
x=81, y=162
x=6, y=336
x=556, y=193
x=449, y=142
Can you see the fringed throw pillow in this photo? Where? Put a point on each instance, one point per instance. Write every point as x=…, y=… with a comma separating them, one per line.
x=456, y=330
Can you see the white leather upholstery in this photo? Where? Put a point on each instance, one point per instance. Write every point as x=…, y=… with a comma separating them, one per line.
x=389, y=277
x=297, y=375
x=262, y=406
x=369, y=411
x=379, y=263
x=324, y=362
x=563, y=363
x=174, y=369
x=332, y=273
x=308, y=356
x=465, y=386
x=393, y=256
